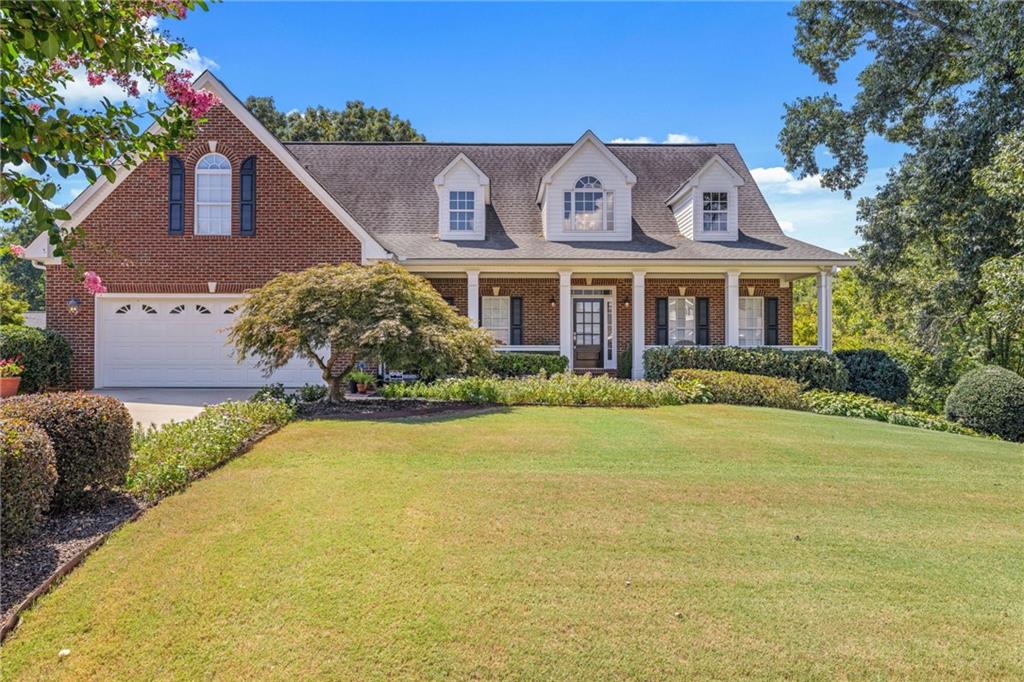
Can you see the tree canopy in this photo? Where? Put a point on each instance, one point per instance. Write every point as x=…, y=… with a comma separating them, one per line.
x=355, y=123
x=944, y=79
x=338, y=315
x=28, y=281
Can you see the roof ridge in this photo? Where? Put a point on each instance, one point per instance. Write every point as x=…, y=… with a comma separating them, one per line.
x=498, y=144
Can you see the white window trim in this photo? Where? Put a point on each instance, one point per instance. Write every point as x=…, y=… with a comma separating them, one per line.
x=705, y=212
x=672, y=301
x=472, y=211
x=759, y=332
x=569, y=225
x=210, y=172
x=507, y=330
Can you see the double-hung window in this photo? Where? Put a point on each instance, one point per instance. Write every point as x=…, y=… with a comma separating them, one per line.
x=588, y=208
x=213, y=195
x=716, y=211
x=495, y=317
x=682, y=321
x=751, y=321
x=461, y=207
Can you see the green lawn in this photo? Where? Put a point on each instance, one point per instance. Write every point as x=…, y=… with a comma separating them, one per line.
x=537, y=543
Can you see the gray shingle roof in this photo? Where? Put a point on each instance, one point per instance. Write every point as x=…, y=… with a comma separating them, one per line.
x=389, y=189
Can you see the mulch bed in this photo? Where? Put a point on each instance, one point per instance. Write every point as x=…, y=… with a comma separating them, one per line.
x=384, y=408
x=26, y=566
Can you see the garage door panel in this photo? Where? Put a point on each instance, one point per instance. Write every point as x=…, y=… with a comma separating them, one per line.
x=173, y=342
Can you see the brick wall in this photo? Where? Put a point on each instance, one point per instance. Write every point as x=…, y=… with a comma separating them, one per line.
x=127, y=244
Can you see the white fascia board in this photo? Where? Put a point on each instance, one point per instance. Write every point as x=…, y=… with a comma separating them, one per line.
x=587, y=137
x=40, y=251
x=694, y=179
x=485, y=181
x=93, y=195
x=649, y=266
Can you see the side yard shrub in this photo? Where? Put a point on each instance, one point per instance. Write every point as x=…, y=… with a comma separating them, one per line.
x=526, y=364
x=736, y=388
x=989, y=399
x=560, y=389
x=873, y=372
x=28, y=473
x=812, y=369
x=866, y=407
x=45, y=354
x=91, y=436
x=167, y=459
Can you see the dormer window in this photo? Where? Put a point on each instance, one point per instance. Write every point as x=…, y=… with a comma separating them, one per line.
x=461, y=210
x=587, y=207
x=716, y=211
x=213, y=195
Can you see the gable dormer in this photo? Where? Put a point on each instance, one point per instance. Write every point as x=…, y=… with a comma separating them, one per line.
x=587, y=195
x=705, y=206
x=463, y=192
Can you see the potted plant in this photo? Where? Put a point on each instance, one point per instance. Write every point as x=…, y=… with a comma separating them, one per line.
x=363, y=380
x=10, y=376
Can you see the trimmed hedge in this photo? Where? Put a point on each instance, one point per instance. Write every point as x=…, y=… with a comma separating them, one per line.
x=873, y=372
x=989, y=399
x=28, y=473
x=812, y=369
x=866, y=407
x=736, y=388
x=169, y=458
x=560, y=389
x=45, y=354
x=91, y=436
x=507, y=365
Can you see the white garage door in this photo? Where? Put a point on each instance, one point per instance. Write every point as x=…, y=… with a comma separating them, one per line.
x=179, y=341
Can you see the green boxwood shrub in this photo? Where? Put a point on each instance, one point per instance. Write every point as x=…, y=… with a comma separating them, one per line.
x=873, y=372
x=736, y=388
x=560, y=389
x=91, y=436
x=526, y=364
x=28, y=473
x=989, y=399
x=167, y=459
x=45, y=354
x=866, y=407
x=310, y=393
x=812, y=369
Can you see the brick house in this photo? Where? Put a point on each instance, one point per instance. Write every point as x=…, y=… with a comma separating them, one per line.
x=595, y=251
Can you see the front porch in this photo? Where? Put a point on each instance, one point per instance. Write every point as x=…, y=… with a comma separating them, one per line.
x=602, y=319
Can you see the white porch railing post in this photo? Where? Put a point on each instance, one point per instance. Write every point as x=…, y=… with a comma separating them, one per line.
x=473, y=297
x=732, y=308
x=639, y=328
x=825, y=311
x=565, y=314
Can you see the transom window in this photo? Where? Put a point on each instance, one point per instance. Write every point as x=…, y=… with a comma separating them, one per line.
x=716, y=211
x=682, y=321
x=588, y=206
x=751, y=321
x=461, y=209
x=213, y=195
x=495, y=317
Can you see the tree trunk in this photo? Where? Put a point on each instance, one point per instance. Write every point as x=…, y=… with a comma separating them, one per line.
x=336, y=386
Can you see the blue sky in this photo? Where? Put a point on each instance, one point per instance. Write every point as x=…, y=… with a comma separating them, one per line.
x=544, y=73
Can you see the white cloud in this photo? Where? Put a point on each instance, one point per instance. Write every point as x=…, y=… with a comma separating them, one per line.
x=779, y=180
x=787, y=226
x=78, y=92
x=671, y=138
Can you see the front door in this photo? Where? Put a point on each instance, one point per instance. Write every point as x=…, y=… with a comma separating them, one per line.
x=588, y=332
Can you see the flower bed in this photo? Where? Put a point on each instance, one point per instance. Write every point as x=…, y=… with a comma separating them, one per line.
x=866, y=407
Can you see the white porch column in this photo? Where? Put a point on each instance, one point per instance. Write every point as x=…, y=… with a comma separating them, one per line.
x=473, y=297
x=825, y=311
x=732, y=308
x=639, y=328
x=565, y=314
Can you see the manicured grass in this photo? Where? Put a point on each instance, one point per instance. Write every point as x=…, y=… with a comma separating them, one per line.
x=539, y=543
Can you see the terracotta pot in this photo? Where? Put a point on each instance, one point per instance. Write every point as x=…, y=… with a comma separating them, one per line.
x=361, y=388
x=9, y=386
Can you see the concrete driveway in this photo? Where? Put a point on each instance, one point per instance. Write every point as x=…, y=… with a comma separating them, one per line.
x=161, y=405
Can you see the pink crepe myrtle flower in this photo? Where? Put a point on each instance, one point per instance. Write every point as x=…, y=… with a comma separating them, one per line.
x=34, y=107
x=95, y=78
x=17, y=250
x=178, y=86
x=93, y=283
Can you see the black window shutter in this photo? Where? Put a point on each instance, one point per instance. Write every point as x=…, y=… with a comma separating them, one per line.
x=703, y=322
x=516, y=318
x=771, y=321
x=661, y=321
x=450, y=300
x=176, y=196
x=247, y=197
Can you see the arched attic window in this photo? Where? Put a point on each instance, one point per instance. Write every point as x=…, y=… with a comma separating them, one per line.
x=213, y=195
x=588, y=208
